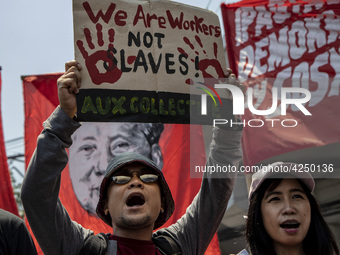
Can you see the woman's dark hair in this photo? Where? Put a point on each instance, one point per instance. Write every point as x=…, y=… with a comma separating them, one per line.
x=319, y=238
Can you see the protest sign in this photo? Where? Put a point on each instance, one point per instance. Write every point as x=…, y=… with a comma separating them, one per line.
x=140, y=59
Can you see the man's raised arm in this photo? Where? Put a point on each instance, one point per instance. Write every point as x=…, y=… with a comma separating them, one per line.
x=49, y=220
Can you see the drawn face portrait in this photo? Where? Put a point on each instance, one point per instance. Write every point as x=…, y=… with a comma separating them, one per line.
x=95, y=144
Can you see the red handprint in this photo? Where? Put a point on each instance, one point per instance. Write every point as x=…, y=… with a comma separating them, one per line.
x=205, y=65
x=112, y=72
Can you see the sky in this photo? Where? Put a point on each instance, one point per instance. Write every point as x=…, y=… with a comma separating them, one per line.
x=36, y=37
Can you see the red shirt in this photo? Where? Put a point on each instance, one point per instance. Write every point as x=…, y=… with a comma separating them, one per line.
x=128, y=246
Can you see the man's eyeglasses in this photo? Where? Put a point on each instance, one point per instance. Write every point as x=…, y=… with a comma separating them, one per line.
x=123, y=179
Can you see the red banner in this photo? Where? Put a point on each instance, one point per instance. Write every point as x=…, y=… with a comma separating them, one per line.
x=40, y=96
x=284, y=52
x=7, y=200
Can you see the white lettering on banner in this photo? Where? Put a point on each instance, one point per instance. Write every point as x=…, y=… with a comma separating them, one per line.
x=263, y=19
x=261, y=53
x=259, y=93
x=246, y=16
x=335, y=59
x=280, y=14
x=320, y=78
x=246, y=57
x=315, y=37
x=297, y=40
x=281, y=39
x=275, y=43
x=332, y=26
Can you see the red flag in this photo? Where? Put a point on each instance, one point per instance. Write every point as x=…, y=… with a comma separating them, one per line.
x=7, y=200
x=272, y=45
x=40, y=96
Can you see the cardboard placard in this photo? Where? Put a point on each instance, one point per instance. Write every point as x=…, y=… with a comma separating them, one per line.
x=140, y=59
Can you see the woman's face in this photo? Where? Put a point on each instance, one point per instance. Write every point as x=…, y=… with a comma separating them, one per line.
x=286, y=214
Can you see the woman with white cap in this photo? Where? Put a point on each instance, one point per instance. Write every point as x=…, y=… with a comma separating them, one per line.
x=284, y=217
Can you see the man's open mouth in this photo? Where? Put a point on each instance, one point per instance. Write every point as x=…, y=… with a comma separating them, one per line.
x=135, y=199
x=290, y=224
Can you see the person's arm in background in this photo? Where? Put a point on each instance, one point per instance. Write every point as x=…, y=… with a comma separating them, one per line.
x=194, y=231
x=50, y=222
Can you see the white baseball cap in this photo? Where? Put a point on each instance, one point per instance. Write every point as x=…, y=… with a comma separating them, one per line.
x=277, y=170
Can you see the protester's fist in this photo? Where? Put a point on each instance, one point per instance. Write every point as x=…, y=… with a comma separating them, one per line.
x=68, y=86
x=232, y=79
